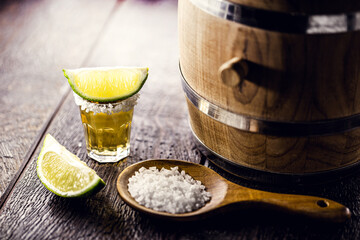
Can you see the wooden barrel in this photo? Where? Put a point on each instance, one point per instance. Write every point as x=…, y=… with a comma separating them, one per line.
x=274, y=85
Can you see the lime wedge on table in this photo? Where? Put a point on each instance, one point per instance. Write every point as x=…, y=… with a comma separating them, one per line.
x=106, y=84
x=63, y=173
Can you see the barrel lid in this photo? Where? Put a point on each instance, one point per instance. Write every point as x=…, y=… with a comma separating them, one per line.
x=304, y=6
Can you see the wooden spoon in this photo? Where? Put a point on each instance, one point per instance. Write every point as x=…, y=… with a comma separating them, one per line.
x=229, y=196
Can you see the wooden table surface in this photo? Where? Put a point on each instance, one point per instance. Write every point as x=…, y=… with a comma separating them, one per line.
x=38, y=39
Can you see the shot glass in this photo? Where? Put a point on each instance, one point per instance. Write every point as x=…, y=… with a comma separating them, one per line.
x=107, y=128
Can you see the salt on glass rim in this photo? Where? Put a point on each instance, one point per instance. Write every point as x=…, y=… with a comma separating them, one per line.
x=108, y=108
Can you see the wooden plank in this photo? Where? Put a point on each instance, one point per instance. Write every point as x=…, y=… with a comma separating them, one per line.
x=29, y=154
x=160, y=130
x=104, y=215
x=37, y=40
x=41, y=214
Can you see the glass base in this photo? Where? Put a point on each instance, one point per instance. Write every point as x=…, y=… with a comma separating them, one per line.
x=109, y=156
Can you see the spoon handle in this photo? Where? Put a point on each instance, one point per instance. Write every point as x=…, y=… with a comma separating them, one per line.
x=310, y=206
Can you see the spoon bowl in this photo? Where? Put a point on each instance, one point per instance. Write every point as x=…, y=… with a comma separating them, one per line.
x=227, y=195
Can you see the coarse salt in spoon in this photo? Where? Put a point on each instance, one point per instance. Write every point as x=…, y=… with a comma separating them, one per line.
x=228, y=196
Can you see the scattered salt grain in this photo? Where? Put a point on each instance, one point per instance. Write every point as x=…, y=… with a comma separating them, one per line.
x=167, y=190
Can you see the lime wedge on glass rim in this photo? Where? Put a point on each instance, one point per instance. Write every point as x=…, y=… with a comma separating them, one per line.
x=106, y=84
x=63, y=173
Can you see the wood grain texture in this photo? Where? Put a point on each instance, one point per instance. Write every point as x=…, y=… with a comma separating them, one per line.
x=276, y=154
x=160, y=130
x=104, y=215
x=41, y=214
x=227, y=196
x=291, y=77
x=37, y=40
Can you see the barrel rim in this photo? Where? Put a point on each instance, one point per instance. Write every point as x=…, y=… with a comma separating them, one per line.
x=269, y=127
x=295, y=23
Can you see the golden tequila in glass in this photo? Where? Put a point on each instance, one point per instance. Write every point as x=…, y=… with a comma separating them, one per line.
x=107, y=128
